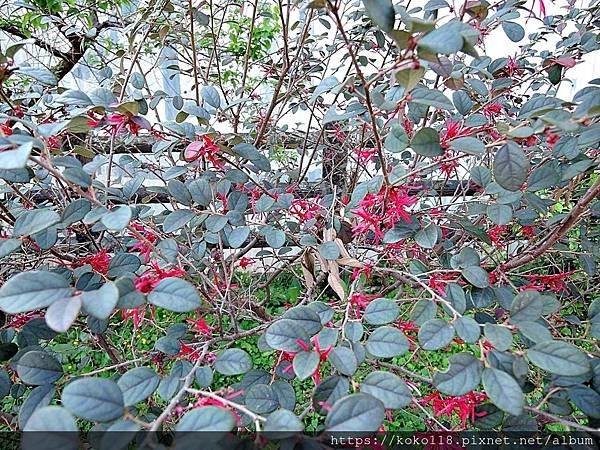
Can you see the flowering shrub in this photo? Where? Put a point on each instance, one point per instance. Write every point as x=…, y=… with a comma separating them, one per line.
x=185, y=274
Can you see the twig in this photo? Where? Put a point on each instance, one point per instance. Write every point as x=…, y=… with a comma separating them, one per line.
x=562, y=421
x=187, y=382
x=255, y=417
x=571, y=219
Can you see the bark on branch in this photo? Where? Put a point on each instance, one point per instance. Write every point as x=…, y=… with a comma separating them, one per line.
x=68, y=60
x=15, y=31
x=562, y=229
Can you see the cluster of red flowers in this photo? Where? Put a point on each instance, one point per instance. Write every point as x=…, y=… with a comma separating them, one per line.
x=253, y=193
x=463, y=406
x=438, y=281
x=323, y=355
x=408, y=127
x=52, y=142
x=200, y=326
x=447, y=167
x=144, y=247
x=528, y=231
x=305, y=210
x=457, y=129
x=359, y=302
x=494, y=276
x=491, y=110
x=551, y=138
x=244, y=262
x=204, y=147
x=94, y=119
x=5, y=129
x=117, y=122
x=193, y=354
x=365, y=270
x=224, y=205
x=397, y=252
x=410, y=330
x=138, y=315
x=365, y=155
x=407, y=327
x=554, y=283
x=483, y=30
x=487, y=346
x=496, y=235
x=188, y=353
x=512, y=67
x=380, y=212
x=99, y=261
x=151, y=277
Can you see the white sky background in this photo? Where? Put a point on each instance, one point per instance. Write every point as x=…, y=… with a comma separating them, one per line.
x=496, y=45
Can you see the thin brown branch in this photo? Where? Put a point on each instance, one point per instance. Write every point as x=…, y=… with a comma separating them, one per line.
x=15, y=31
x=379, y=146
x=560, y=231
